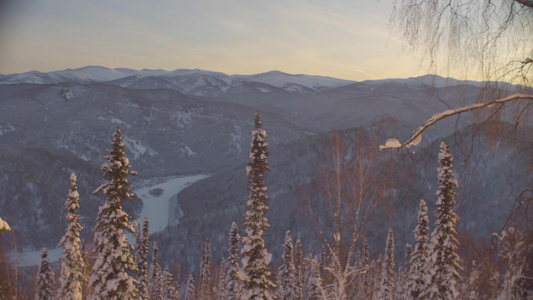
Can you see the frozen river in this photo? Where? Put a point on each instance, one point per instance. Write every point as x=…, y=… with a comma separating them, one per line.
x=155, y=195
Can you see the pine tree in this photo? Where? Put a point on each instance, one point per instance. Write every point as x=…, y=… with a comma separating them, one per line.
x=114, y=261
x=221, y=291
x=287, y=272
x=299, y=263
x=190, y=293
x=72, y=264
x=515, y=250
x=312, y=283
x=45, y=279
x=416, y=279
x=387, y=278
x=443, y=267
x=255, y=258
x=403, y=273
x=142, y=259
x=366, y=278
x=155, y=279
x=86, y=271
x=169, y=290
x=470, y=291
x=232, y=278
x=204, y=282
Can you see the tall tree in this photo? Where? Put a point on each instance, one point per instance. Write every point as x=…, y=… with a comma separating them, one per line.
x=155, y=279
x=232, y=278
x=142, y=259
x=221, y=290
x=45, y=279
x=312, y=283
x=190, y=292
x=299, y=264
x=169, y=289
x=516, y=252
x=114, y=262
x=443, y=267
x=416, y=281
x=387, y=278
x=72, y=264
x=255, y=258
x=287, y=272
x=204, y=281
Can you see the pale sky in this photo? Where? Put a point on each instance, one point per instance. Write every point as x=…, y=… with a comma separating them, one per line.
x=344, y=39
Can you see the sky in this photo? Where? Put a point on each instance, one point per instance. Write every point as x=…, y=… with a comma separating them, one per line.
x=344, y=39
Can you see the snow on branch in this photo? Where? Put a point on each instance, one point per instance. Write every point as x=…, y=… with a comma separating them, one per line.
x=416, y=137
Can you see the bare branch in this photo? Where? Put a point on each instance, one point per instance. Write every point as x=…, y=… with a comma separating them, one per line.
x=416, y=137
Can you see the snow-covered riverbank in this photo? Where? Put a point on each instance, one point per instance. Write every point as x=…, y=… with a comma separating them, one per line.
x=156, y=200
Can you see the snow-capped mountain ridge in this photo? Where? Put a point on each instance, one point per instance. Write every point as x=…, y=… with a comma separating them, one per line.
x=185, y=80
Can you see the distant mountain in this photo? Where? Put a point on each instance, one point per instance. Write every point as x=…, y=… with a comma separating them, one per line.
x=193, y=121
x=194, y=82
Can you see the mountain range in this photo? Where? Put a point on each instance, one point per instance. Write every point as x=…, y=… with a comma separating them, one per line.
x=187, y=122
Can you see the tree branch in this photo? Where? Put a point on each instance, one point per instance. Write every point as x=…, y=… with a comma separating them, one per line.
x=416, y=137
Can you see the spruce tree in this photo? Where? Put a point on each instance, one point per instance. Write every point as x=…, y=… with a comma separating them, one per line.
x=155, y=279
x=312, y=283
x=204, y=281
x=232, y=277
x=443, y=267
x=190, y=293
x=142, y=259
x=45, y=285
x=387, y=278
x=169, y=290
x=255, y=258
x=403, y=273
x=470, y=291
x=299, y=263
x=111, y=271
x=416, y=279
x=221, y=291
x=72, y=264
x=287, y=272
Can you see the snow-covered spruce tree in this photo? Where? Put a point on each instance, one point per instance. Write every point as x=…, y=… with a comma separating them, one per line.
x=45, y=285
x=443, y=268
x=366, y=278
x=287, y=272
x=169, y=289
x=401, y=278
x=111, y=278
x=142, y=259
x=255, y=258
x=86, y=272
x=416, y=281
x=190, y=293
x=299, y=264
x=232, y=277
x=312, y=283
x=204, y=280
x=470, y=287
x=387, y=278
x=515, y=251
x=221, y=290
x=72, y=265
x=155, y=279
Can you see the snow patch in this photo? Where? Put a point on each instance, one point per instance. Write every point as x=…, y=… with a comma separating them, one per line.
x=6, y=128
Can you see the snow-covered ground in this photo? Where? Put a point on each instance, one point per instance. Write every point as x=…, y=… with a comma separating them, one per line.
x=155, y=195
